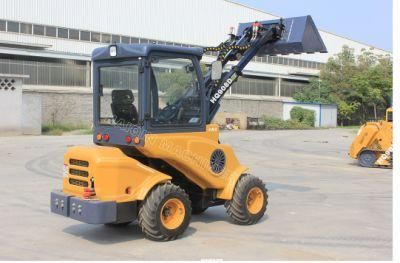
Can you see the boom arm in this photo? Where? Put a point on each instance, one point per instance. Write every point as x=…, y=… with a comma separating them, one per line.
x=293, y=35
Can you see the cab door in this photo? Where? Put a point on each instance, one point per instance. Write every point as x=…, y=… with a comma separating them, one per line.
x=175, y=95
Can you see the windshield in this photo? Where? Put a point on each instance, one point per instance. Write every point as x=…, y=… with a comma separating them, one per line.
x=175, y=92
x=119, y=95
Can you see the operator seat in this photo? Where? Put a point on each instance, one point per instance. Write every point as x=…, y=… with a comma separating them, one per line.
x=122, y=106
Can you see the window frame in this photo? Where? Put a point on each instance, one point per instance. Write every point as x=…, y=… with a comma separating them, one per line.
x=178, y=127
x=3, y=25
x=117, y=38
x=61, y=31
x=84, y=33
x=74, y=34
x=28, y=26
x=125, y=39
x=97, y=101
x=95, y=37
x=13, y=23
x=47, y=34
x=104, y=37
x=36, y=28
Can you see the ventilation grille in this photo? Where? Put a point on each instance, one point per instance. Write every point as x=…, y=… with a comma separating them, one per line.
x=78, y=172
x=78, y=182
x=217, y=161
x=7, y=84
x=79, y=162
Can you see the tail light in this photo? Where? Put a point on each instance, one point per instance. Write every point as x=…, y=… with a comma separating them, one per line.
x=88, y=192
x=128, y=139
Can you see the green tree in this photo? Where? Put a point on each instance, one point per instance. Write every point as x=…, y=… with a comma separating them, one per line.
x=359, y=85
x=174, y=83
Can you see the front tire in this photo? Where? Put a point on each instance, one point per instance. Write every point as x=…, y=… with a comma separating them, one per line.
x=249, y=201
x=165, y=213
x=367, y=158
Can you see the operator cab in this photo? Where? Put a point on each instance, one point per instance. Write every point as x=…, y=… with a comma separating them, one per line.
x=139, y=89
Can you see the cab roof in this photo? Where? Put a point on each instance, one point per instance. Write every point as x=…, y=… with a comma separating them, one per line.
x=142, y=50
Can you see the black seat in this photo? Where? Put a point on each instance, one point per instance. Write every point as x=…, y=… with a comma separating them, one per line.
x=122, y=106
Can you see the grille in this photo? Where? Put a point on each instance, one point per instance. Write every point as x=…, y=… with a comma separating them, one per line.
x=79, y=162
x=78, y=172
x=78, y=182
x=217, y=161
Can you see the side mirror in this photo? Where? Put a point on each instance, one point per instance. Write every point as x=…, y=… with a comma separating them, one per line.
x=216, y=70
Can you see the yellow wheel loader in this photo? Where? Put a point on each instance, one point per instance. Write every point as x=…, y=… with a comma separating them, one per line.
x=373, y=145
x=156, y=158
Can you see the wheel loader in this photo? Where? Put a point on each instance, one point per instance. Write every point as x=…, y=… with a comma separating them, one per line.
x=156, y=156
x=373, y=145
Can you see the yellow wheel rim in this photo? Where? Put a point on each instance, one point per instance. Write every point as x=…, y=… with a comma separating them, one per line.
x=255, y=200
x=172, y=213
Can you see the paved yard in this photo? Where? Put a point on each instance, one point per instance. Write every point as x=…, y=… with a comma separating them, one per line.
x=322, y=206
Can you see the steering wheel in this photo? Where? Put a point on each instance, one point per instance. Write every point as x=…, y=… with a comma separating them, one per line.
x=168, y=113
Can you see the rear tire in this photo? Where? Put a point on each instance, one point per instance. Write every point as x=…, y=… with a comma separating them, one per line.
x=367, y=158
x=249, y=201
x=165, y=213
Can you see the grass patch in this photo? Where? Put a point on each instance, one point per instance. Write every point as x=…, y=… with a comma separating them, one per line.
x=54, y=132
x=86, y=131
x=278, y=124
x=350, y=127
x=59, y=129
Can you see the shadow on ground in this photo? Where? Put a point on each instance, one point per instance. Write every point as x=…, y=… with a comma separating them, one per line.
x=106, y=234
x=103, y=235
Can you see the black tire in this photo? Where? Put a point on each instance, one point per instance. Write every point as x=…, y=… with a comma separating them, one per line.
x=237, y=208
x=367, y=158
x=149, y=217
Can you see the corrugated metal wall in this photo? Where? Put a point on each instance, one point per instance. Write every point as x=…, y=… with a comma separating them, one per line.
x=197, y=22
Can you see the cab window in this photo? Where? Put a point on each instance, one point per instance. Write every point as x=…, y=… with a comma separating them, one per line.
x=175, y=92
x=118, y=91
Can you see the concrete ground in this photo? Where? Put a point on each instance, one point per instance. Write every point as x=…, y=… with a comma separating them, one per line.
x=322, y=206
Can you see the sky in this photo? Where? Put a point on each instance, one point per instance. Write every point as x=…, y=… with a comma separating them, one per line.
x=367, y=21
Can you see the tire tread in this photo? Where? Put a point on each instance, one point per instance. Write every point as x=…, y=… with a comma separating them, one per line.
x=148, y=212
x=236, y=208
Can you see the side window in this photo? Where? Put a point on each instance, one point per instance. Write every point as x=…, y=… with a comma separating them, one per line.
x=118, y=89
x=175, y=92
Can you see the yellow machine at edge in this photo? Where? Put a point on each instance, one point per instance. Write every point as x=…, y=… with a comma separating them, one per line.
x=373, y=145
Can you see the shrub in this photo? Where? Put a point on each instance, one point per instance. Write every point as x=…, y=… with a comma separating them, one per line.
x=279, y=124
x=302, y=115
x=58, y=129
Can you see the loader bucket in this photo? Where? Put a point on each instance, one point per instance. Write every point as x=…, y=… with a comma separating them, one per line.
x=300, y=36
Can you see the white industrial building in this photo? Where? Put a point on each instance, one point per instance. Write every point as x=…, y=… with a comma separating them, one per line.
x=51, y=41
